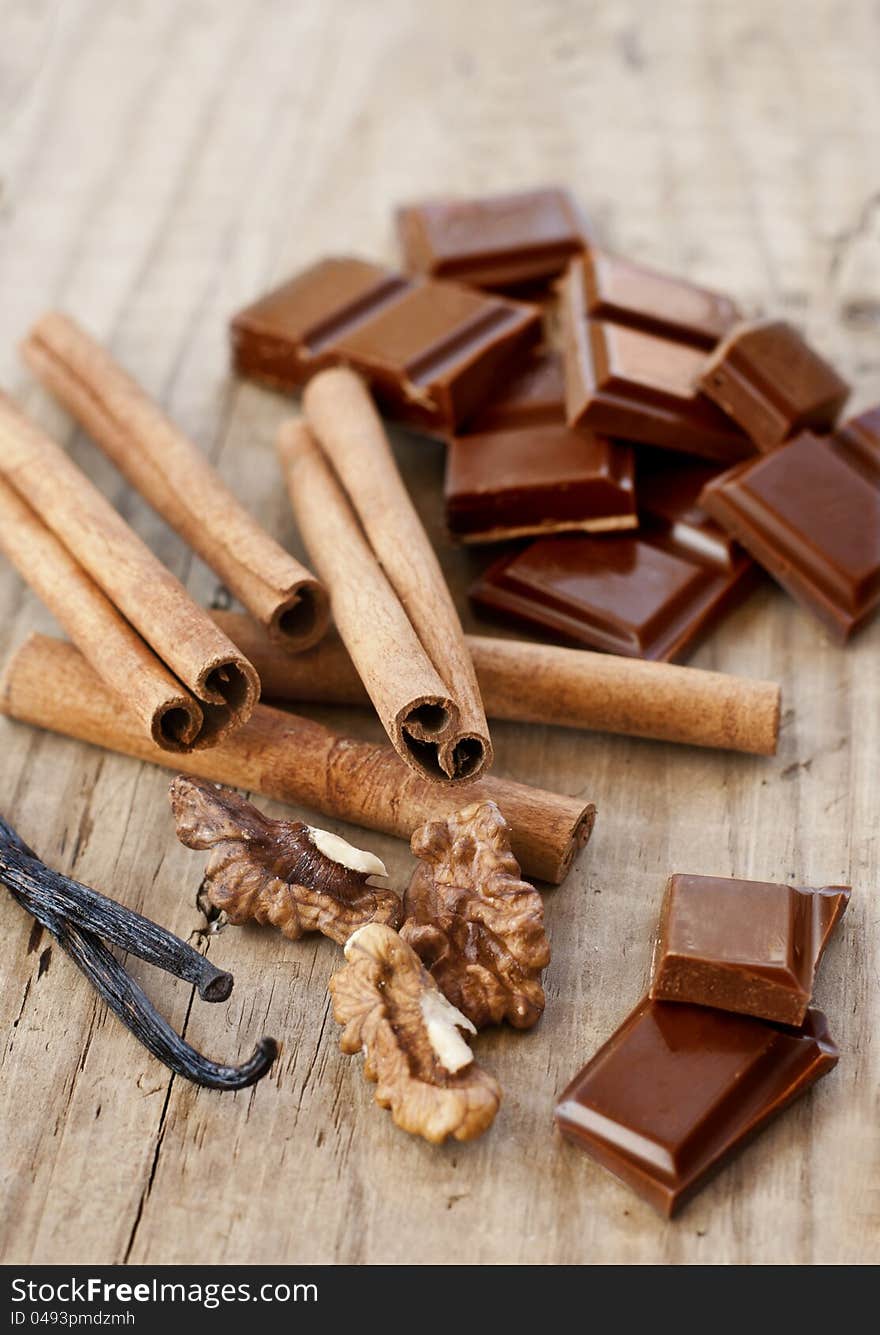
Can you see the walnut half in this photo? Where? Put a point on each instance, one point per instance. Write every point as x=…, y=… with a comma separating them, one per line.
x=283, y=872
x=424, y=1071
x=476, y=926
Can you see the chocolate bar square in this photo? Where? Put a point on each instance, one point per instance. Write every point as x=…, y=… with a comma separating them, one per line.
x=746, y=946
x=769, y=380
x=498, y=241
x=630, y=294
x=678, y=1089
x=520, y=471
x=625, y=382
x=810, y=514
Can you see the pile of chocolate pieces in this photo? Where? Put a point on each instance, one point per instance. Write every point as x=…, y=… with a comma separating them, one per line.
x=725, y=1039
x=651, y=448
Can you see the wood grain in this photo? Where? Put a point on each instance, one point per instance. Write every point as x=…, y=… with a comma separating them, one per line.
x=162, y=164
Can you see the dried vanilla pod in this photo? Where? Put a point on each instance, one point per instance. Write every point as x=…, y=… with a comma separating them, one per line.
x=409, y=1033
x=286, y=873
x=474, y=923
x=83, y=921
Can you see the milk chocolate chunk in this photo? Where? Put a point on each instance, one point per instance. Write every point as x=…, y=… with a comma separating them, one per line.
x=746, y=946
x=533, y=395
x=629, y=294
x=669, y=493
x=499, y=241
x=624, y=382
x=769, y=380
x=678, y=1089
x=859, y=438
x=550, y=479
x=646, y=595
x=809, y=512
x=519, y=470
x=430, y=350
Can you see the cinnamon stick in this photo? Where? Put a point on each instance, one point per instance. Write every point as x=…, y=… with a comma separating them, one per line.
x=49, y=684
x=180, y=634
x=115, y=651
x=340, y=411
x=416, y=709
x=543, y=683
x=178, y=481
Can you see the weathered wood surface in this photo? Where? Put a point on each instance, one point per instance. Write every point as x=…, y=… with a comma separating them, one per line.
x=160, y=165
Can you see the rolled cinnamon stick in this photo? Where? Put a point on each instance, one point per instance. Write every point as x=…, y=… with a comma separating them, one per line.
x=416, y=708
x=116, y=652
x=148, y=596
x=178, y=481
x=543, y=683
x=340, y=411
x=49, y=684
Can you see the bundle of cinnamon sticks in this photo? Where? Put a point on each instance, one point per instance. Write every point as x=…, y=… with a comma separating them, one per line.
x=390, y=601
x=177, y=481
x=131, y=618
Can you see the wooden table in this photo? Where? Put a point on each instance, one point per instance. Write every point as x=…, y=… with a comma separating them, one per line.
x=162, y=164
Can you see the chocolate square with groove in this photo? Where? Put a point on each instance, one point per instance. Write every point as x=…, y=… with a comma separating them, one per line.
x=520, y=471
x=544, y=479
x=678, y=1089
x=809, y=512
x=635, y=596
x=627, y=383
x=630, y=294
x=746, y=946
x=769, y=380
x=497, y=241
x=859, y=439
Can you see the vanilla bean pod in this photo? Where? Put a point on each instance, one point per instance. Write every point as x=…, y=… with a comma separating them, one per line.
x=62, y=906
x=125, y=999
x=35, y=883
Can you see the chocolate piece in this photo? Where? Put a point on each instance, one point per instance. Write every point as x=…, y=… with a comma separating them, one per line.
x=520, y=470
x=630, y=294
x=746, y=946
x=627, y=383
x=809, y=512
x=679, y=1088
x=668, y=497
x=649, y=595
x=500, y=241
x=551, y=479
x=860, y=440
x=430, y=350
x=767, y=378
x=533, y=396
x=629, y=596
